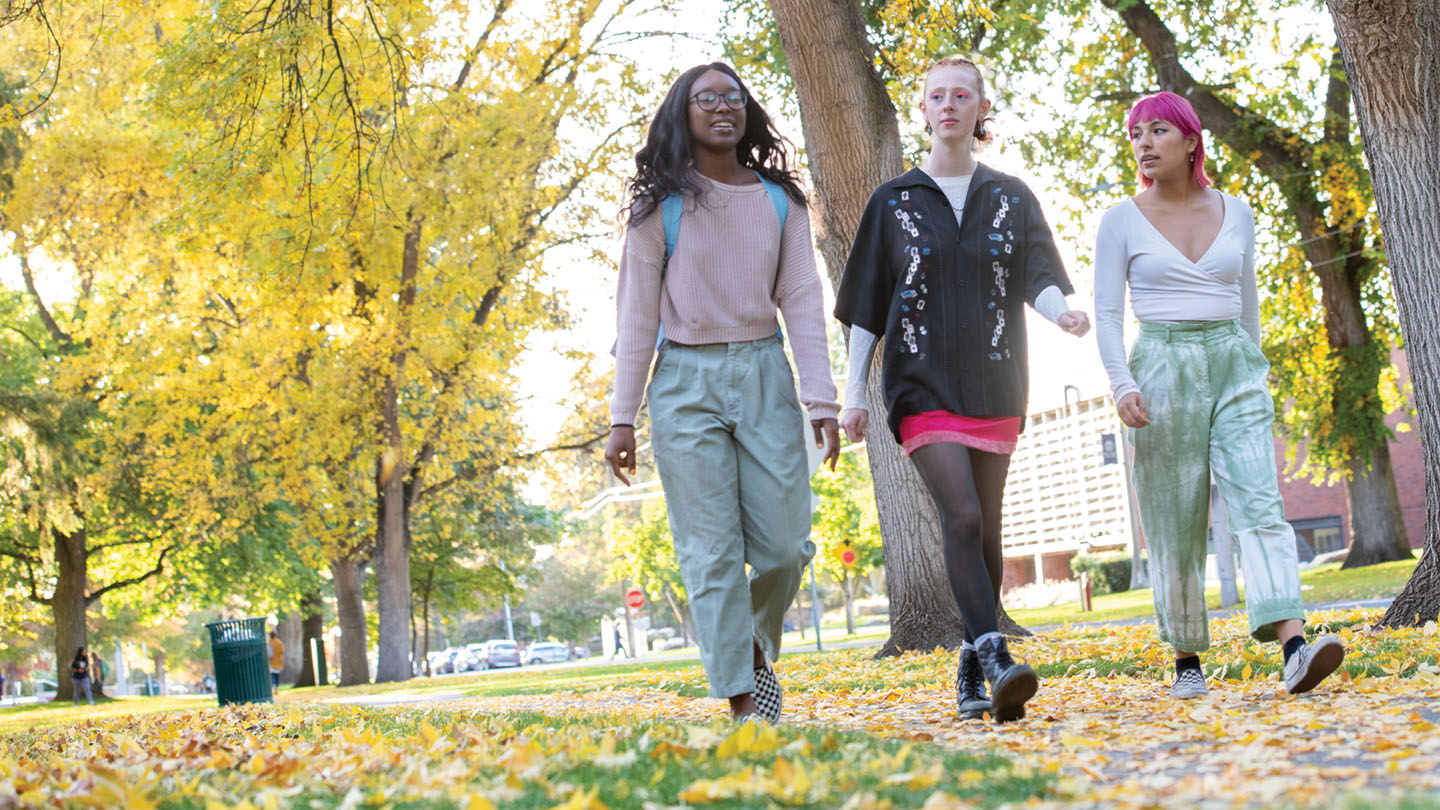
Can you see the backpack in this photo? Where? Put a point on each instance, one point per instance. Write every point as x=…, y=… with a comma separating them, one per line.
x=673, y=206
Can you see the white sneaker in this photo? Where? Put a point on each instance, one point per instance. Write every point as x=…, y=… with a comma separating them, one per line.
x=1189, y=684
x=1312, y=662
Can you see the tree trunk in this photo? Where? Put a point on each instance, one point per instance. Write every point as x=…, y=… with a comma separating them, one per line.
x=1391, y=50
x=290, y=632
x=346, y=575
x=312, y=626
x=393, y=542
x=852, y=141
x=1377, y=530
x=68, y=606
x=847, y=586
x=425, y=608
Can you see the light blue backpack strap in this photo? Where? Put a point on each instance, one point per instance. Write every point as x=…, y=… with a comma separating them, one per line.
x=778, y=198
x=670, y=209
x=781, y=201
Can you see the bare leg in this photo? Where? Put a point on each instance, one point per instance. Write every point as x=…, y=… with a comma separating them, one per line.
x=1287, y=629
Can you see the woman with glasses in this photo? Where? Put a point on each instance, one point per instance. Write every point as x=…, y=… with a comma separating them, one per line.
x=945, y=259
x=1194, y=394
x=717, y=240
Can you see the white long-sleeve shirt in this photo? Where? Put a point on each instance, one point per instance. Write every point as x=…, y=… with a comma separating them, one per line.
x=1165, y=286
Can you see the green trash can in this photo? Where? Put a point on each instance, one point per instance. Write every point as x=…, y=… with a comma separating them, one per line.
x=242, y=661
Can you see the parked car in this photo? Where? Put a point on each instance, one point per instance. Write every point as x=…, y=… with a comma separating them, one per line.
x=468, y=660
x=442, y=661
x=500, y=653
x=546, y=652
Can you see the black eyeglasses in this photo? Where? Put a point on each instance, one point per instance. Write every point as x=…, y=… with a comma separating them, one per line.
x=710, y=101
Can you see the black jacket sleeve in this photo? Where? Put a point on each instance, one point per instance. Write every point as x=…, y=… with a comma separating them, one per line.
x=1043, y=267
x=863, y=299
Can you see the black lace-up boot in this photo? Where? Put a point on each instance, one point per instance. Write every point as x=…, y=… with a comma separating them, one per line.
x=970, y=686
x=1011, y=684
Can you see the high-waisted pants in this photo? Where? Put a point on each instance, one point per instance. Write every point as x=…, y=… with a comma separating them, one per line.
x=728, y=438
x=1210, y=412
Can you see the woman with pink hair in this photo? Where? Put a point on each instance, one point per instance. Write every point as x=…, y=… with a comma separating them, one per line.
x=1194, y=394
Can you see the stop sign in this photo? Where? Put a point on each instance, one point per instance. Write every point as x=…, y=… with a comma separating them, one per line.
x=634, y=598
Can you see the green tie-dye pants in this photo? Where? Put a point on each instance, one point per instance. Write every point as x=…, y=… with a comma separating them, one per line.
x=1210, y=412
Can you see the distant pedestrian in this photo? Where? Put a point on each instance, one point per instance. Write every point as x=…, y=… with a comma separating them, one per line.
x=2, y=686
x=619, y=648
x=97, y=670
x=80, y=676
x=277, y=659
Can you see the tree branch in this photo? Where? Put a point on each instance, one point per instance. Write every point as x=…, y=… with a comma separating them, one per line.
x=136, y=580
x=1230, y=122
x=471, y=473
x=56, y=333
x=500, y=9
x=1337, y=102
x=90, y=550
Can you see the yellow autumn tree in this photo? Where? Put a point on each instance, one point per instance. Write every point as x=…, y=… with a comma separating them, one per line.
x=374, y=196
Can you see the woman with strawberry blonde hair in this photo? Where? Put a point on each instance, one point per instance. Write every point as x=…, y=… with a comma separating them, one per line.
x=945, y=260
x=1194, y=394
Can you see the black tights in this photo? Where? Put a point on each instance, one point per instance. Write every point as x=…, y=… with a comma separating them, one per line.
x=968, y=486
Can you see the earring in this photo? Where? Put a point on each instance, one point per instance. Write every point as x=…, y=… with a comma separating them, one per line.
x=1192, y=159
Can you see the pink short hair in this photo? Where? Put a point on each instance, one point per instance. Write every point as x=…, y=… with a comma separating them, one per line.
x=1166, y=106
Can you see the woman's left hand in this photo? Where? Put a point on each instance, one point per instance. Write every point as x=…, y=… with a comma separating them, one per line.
x=827, y=436
x=1076, y=322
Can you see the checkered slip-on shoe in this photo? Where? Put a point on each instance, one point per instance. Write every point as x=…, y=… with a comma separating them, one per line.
x=768, y=698
x=1189, y=684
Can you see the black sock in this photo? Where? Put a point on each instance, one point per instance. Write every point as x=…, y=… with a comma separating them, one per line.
x=1292, y=645
x=1188, y=662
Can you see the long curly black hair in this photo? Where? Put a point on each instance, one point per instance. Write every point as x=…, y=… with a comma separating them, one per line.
x=662, y=166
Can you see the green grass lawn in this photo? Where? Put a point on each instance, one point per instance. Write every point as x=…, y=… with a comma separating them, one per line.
x=47, y=715
x=1325, y=583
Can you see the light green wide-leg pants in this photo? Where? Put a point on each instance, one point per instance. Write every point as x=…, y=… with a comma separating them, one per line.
x=728, y=438
x=1204, y=386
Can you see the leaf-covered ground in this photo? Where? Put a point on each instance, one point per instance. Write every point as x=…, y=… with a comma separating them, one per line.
x=859, y=733
x=1104, y=715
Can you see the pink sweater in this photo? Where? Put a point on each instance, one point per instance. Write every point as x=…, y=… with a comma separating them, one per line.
x=721, y=287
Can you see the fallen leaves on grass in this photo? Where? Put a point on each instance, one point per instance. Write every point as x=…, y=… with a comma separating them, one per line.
x=319, y=756
x=1104, y=715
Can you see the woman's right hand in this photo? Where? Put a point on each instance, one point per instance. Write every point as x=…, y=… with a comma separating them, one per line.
x=620, y=451
x=853, y=422
x=1132, y=410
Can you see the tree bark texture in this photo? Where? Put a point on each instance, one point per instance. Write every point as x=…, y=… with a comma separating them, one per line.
x=346, y=575
x=852, y=138
x=312, y=626
x=1391, y=50
x=1336, y=258
x=68, y=605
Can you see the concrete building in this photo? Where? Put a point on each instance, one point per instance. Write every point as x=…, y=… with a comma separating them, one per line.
x=1066, y=490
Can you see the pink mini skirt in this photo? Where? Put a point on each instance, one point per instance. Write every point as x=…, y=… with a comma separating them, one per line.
x=990, y=434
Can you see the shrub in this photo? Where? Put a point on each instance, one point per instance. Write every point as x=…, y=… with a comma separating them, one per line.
x=1109, y=573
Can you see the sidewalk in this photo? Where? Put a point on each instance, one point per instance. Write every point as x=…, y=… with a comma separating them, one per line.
x=1222, y=613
